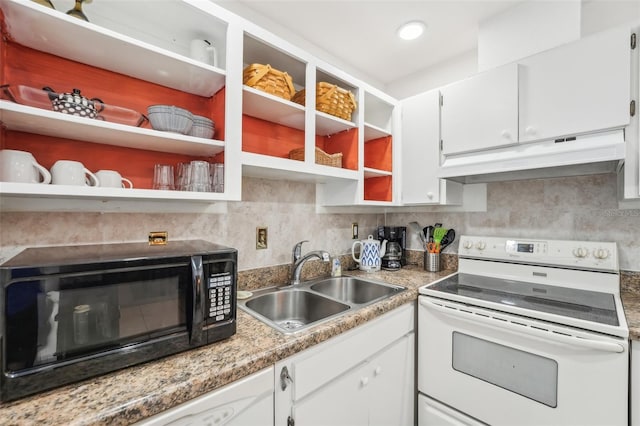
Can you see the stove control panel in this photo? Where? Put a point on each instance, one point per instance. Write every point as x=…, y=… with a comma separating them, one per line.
x=582, y=254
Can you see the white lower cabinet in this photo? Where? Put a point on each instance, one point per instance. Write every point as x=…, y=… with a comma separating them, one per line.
x=362, y=377
x=246, y=402
x=433, y=413
x=634, y=382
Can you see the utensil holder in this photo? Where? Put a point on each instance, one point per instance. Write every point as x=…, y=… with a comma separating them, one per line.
x=431, y=262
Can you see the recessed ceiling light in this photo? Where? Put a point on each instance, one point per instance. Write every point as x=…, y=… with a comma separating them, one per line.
x=411, y=30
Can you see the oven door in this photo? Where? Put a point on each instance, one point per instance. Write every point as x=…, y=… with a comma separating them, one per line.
x=506, y=369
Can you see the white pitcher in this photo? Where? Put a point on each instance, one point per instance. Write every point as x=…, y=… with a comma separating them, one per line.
x=371, y=252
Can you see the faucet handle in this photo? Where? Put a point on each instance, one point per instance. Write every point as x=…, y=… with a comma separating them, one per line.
x=326, y=257
x=297, y=250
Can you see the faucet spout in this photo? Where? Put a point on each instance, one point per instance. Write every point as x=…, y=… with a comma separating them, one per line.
x=296, y=267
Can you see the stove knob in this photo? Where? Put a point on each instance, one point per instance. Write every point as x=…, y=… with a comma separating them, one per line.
x=580, y=252
x=468, y=244
x=481, y=245
x=601, y=254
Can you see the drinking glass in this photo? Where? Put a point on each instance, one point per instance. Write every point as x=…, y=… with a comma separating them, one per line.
x=199, y=177
x=217, y=177
x=182, y=176
x=163, y=177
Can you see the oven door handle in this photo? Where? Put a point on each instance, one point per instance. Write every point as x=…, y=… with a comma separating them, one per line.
x=523, y=326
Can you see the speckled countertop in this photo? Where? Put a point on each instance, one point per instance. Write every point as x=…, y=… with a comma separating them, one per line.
x=129, y=395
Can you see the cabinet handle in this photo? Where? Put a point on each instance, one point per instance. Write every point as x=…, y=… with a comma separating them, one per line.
x=530, y=130
x=364, y=381
x=285, y=378
x=429, y=195
x=506, y=134
x=377, y=371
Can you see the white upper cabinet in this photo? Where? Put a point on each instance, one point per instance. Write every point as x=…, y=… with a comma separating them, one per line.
x=480, y=112
x=576, y=88
x=421, y=153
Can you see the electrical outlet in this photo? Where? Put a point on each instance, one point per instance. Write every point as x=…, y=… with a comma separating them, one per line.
x=354, y=231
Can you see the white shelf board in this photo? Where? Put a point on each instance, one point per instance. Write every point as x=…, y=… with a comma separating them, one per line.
x=265, y=106
x=265, y=166
x=51, y=31
x=369, y=173
x=25, y=190
x=24, y=118
x=327, y=124
x=373, y=132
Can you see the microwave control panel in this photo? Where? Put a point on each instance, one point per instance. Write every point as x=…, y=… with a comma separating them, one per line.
x=220, y=300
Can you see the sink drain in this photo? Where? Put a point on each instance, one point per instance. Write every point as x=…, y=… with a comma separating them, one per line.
x=291, y=324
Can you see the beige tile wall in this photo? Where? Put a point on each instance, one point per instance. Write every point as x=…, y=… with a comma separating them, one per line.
x=564, y=208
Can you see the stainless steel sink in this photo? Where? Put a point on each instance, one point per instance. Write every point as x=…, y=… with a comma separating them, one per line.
x=294, y=308
x=354, y=290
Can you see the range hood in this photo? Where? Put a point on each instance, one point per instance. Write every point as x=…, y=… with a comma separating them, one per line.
x=593, y=153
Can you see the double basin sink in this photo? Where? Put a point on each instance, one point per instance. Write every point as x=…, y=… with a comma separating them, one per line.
x=294, y=308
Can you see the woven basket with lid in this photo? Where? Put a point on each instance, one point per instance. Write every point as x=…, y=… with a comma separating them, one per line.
x=270, y=80
x=331, y=99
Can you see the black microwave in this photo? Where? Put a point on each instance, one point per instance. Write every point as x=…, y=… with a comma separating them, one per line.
x=73, y=312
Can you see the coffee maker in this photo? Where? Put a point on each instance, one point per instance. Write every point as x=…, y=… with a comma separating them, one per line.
x=395, y=256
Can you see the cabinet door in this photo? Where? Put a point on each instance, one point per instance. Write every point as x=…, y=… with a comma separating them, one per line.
x=635, y=383
x=421, y=148
x=341, y=402
x=576, y=88
x=247, y=402
x=480, y=112
x=392, y=391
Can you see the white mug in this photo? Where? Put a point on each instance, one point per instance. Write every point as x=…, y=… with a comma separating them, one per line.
x=21, y=166
x=67, y=172
x=112, y=179
x=203, y=51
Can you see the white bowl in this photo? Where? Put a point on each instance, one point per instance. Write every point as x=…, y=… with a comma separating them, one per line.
x=202, y=127
x=169, y=118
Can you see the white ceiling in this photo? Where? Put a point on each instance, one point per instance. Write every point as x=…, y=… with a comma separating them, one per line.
x=362, y=33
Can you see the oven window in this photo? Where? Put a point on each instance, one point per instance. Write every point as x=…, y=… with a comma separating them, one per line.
x=68, y=316
x=527, y=374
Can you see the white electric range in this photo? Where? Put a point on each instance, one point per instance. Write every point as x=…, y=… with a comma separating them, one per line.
x=527, y=332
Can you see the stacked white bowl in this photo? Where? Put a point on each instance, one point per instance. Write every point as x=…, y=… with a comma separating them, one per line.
x=170, y=118
x=202, y=127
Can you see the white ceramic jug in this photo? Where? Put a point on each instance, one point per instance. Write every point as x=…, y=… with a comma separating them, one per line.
x=371, y=252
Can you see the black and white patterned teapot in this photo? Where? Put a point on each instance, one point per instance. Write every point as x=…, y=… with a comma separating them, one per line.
x=74, y=103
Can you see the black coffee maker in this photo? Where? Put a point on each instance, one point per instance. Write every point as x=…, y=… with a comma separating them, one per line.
x=395, y=256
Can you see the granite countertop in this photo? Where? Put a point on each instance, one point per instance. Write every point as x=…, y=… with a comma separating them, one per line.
x=132, y=394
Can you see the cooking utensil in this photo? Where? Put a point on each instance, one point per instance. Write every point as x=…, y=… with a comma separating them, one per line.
x=433, y=248
x=439, y=233
x=428, y=232
x=415, y=226
x=447, y=239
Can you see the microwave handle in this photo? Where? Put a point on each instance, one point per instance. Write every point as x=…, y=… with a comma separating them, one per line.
x=197, y=323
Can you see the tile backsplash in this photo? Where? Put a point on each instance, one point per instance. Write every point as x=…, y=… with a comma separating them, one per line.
x=582, y=208
x=573, y=208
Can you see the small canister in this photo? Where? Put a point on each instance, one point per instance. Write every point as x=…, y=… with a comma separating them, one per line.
x=431, y=261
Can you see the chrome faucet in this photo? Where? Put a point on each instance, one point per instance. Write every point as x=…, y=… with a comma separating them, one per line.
x=298, y=260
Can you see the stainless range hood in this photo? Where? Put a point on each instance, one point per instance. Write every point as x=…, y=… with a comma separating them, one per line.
x=593, y=153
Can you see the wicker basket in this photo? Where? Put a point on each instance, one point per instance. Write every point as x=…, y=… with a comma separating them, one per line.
x=331, y=99
x=333, y=160
x=270, y=80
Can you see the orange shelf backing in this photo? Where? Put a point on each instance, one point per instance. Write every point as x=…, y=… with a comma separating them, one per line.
x=345, y=142
x=134, y=164
x=378, y=154
x=378, y=189
x=264, y=137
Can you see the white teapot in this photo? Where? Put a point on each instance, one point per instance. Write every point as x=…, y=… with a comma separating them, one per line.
x=371, y=252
